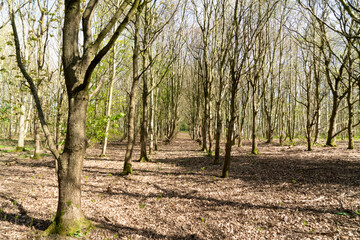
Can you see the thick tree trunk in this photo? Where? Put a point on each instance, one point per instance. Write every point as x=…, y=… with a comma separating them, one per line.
x=58, y=120
x=69, y=216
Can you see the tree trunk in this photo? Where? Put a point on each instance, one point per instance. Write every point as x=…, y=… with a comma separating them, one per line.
x=132, y=103
x=143, y=129
x=37, y=139
x=204, y=127
x=330, y=141
x=254, y=149
x=21, y=138
x=350, y=116
x=69, y=216
x=151, y=117
x=227, y=160
x=218, y=131
x=108, y=110
x=58, y=120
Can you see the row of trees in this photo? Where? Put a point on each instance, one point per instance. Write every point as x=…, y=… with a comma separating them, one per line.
x=273, y=68
x=233, y=68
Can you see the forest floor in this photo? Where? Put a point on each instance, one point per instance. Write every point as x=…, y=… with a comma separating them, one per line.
x=285, y=192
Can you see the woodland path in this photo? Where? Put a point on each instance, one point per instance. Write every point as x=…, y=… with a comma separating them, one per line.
x=283, y=193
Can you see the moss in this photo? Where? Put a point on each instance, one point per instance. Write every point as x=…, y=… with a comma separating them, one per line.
x=330, y=143
x=151, y=151
x=255, y=151
x=127, y=169
x=225, y=175
x=68, y=203
x=37, y=156
x=19, y=149
x=67, y=227
x=144, y=158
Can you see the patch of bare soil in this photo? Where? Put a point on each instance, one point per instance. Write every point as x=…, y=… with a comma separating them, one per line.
x=282, y=193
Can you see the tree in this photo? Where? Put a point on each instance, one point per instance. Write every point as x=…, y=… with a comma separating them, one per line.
x=77, y=71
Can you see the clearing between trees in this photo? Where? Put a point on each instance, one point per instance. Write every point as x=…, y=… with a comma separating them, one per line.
x=285, y=192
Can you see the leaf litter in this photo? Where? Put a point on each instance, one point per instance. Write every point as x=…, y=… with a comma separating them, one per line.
x=282, y=193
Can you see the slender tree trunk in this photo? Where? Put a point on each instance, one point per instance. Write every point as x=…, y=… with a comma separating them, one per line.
x=21, y=138
x=241, y=127
x=330, y=141
x=108, y=110
x=132, y=103
x=218, y=131
x=151, y=117
x=143, y=129
x=204, y=126
x=37, y=139
x=210, y=129
x=254, y=149
x=308, y=137
x=228, y=146
x=350, y=116
x=11, y=118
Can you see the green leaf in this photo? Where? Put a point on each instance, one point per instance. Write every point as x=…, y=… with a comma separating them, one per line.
x=342, y=213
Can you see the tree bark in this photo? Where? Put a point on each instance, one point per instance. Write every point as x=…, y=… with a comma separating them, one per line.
x=21, y=135
x=108, y=110
x=69, y=216
x=330, y=141
x=229, y=141
x=132, y=103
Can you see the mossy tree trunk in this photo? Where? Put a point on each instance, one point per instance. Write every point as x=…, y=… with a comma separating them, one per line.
x=69, y=216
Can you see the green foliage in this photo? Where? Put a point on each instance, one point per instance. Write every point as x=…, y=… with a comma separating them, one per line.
x=96, y=126
x=142, y=205
x=184, y=127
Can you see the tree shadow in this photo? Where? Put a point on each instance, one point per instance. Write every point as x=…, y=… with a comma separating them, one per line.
x=127, y=231
x=23, y=218
x=211, y=202
x=279, y=169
